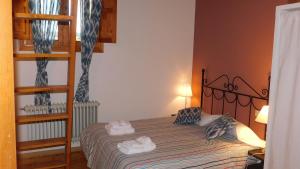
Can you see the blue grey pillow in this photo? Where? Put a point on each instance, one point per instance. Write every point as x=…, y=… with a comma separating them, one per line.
x=223, y=127
x=188, y=116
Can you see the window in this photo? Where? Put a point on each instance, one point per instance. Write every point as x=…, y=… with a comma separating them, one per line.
x=78, y=24
x=22, y=28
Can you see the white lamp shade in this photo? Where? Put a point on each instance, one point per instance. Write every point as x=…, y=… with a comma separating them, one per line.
x=263, y=115
x=186, y=91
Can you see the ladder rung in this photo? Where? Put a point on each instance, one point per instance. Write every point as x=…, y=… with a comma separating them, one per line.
x=33, y=89
x=51, y=166
x=41, y=55
x=44, y=165
x=43, y=17
x=38, y=144
x=42, y=160
x=26, y=119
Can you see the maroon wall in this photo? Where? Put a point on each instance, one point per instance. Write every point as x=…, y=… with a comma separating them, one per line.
x=234, y=37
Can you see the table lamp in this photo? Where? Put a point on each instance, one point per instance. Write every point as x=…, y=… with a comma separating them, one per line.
x=262, y=117
x=186, y=92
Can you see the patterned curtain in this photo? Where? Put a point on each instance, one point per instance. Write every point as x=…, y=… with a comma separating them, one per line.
x=90, y=22
x=44, y=32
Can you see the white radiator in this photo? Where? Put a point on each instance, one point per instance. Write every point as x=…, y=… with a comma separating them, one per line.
x=84, y=114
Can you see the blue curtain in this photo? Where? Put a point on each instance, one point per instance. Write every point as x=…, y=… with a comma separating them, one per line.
x=44, y=32
x=90, y=21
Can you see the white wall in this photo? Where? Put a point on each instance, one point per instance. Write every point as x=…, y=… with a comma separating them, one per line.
x=137, y=77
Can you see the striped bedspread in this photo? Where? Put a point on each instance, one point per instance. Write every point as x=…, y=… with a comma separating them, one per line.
x=178, y=147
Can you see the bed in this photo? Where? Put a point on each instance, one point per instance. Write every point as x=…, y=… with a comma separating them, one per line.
x=177, y=146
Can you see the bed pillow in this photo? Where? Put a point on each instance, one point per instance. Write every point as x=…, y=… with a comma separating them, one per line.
x=223, y=127
x=242, y=132
x=188, y=116
x=246, y=135
x=207, y=118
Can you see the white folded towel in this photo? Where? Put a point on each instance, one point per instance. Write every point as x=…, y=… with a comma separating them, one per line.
x=119, y=124
x=139, y=145
x=120, y=127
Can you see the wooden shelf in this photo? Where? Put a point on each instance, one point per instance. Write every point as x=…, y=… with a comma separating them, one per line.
x=33, y=89
x=41, y=56
x=27, y=119
x=43, y=17
x=38, y=144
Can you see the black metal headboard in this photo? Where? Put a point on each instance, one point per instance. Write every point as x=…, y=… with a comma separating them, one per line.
x=231, y=87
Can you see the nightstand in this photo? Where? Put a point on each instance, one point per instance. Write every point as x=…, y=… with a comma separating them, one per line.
x=259, y=154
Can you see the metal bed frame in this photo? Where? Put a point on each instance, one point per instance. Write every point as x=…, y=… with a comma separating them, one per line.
x=231, y=87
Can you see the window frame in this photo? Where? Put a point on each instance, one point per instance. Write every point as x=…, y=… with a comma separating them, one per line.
x=24, y=33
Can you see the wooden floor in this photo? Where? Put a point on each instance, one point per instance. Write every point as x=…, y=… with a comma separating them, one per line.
x=37, y=160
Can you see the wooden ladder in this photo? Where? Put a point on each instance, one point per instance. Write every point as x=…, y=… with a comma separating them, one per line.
x=69, y=89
